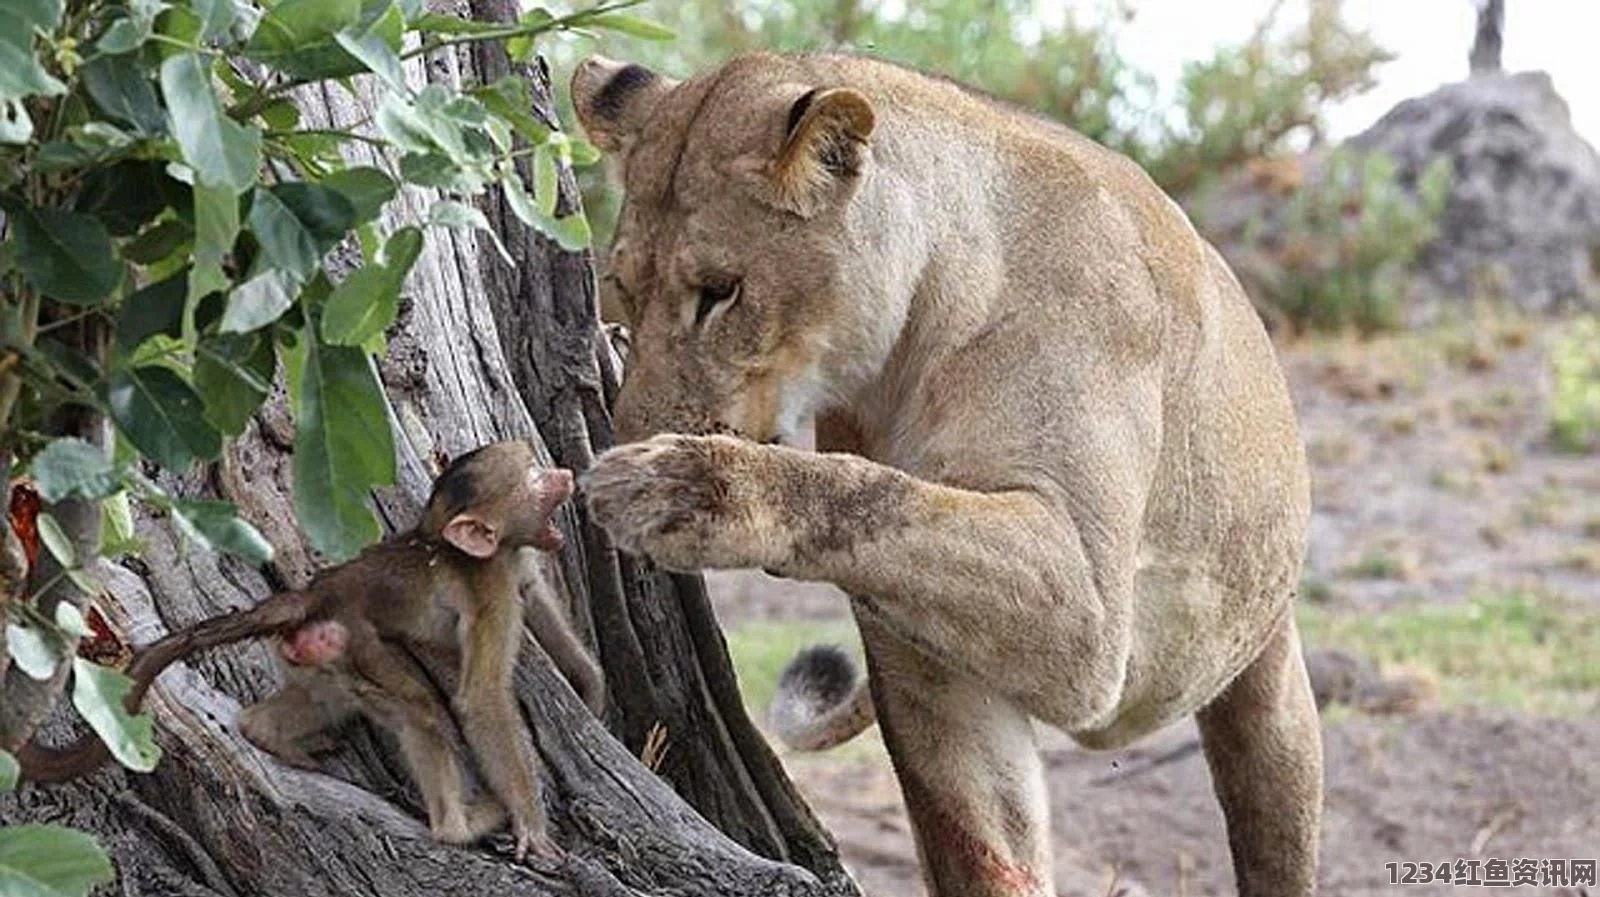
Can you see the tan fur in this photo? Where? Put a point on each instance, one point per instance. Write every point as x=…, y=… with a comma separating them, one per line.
x=1066, y=483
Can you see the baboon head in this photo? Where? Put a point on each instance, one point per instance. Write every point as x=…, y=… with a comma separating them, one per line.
x=497, y=496
x=748, y=257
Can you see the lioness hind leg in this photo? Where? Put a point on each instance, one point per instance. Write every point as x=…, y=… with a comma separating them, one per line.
x=970, y=772
x=1263, y=742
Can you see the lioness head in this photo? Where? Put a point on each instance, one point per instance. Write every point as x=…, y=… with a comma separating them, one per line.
x=746, y=255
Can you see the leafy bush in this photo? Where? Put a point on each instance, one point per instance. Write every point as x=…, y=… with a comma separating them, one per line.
x=1263, y=96
x=1575, y=402
x=166, y=225
x=1346, y=240
x=1258, y=99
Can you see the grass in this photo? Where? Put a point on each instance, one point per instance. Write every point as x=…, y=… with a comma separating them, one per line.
x=1575, y=371
x=1512, y=652
x=1380, y=564
x=1517, y=652
x=761, y=650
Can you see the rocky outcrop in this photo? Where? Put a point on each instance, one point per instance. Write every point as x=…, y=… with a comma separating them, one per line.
x=1523, y=216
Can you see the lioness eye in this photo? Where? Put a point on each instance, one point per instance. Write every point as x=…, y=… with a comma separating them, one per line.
x=713, y=294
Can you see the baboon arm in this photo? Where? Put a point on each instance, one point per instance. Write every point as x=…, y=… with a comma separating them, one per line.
x=555, y=634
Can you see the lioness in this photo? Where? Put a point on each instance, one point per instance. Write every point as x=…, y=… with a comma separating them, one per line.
x=1061, y=476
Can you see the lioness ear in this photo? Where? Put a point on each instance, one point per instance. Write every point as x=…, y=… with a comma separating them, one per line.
x=824, y=149
x=472, y=535
x=613, y=99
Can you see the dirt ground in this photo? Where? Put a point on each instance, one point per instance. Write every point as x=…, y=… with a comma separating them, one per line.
x=1434, y=483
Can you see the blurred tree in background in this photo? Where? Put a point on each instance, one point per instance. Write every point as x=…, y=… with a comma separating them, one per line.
x=1263, y=96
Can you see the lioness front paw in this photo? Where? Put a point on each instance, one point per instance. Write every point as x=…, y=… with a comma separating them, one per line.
x=683, y=501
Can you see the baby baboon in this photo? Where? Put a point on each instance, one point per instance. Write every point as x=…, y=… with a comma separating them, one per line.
x=453, y=587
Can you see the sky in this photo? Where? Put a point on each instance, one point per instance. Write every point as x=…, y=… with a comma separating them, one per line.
x=1431, y=38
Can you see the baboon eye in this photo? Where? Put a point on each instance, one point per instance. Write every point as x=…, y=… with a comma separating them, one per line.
x=714, y=293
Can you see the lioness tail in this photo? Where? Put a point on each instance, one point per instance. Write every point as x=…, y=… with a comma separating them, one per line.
x=822, y=700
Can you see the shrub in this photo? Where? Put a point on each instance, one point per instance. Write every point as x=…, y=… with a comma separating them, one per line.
x=1263, y=96
x=1346, y=241
x=1575, y=399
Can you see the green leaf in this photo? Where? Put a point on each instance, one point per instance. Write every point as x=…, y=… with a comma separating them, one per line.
x=364, y=305
x=16, y=126
x=450, y=213
x=360, y=306
x=222, y=152
x=297, y=37
x=367, y=189
x=98, y=693
x=376, y=47
x=34, y=651
x=124, y=196
x=520, y=49
x=343, y=446
x=570, y=233
x=259, y=301
x=233, y=374
x=42, y=15
x=297, y=222
x=69, y=361
x=511, y=99
x=216, y=525
x=64, y=255
x=131, y=31
x=157, y=308
x=157, y=242
x=216, y=227
x=582, y=152
x=57, y=541
x=182, y=27
x=70, y=620
x=216, y=16
x=401, y=125
x=61, y=548
x=439, y=171
x=545, y=180
x=60, y=155
x=21, y=75
x=10, y=771
x=281, y=115
x=631, y=25
x=72, y=468
x=162, y=416
x=50, y=861
x=118, y=521
x=120, y=87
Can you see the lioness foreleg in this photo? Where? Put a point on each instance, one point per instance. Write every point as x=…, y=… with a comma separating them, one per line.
x=969, y=769
x=977, y=580
x=1263, y=742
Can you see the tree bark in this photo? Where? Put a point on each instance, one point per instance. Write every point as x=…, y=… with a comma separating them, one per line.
x=481, y=352
x=1485, y=56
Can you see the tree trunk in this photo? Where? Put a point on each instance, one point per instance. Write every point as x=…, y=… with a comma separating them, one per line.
x=481, y=352
x=1485, y=56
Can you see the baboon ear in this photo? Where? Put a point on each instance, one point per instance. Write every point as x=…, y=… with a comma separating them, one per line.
x=473, y=535
x=613, y=99
x=824, y=149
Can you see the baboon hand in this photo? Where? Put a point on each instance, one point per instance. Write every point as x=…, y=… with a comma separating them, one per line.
x=688, y=502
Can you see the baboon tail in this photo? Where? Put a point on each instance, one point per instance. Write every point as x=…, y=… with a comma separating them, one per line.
x=822, y=700
x=277, y=614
